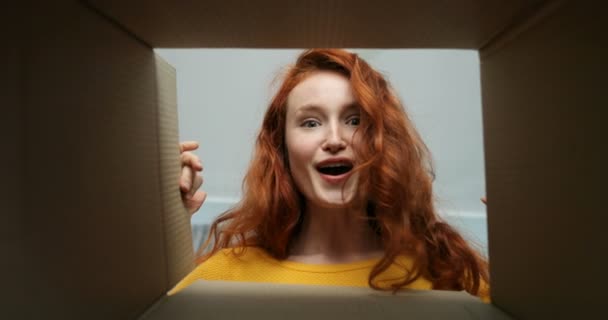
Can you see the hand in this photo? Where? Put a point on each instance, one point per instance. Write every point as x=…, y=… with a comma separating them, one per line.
x=190, y=180
x=484, y=200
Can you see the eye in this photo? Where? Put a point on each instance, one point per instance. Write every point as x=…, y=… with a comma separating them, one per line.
x=310, y=124
x=354, y=121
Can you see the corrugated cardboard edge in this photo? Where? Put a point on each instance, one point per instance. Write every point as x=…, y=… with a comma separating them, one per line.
x=176, y=220
x=231, y=300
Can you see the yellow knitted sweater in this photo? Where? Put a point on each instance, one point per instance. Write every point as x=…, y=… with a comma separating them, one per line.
x=255, y=265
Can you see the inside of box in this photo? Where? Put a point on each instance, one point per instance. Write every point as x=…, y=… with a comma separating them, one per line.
x=90, y=101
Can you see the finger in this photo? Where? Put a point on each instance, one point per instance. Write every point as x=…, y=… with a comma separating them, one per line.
x=198, y=181
x=484, y=200
x=188, y=146
x=190, y=159
x=195, y=203
x=185, y=180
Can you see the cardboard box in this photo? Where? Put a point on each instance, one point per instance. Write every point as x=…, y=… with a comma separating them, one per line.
x=93, y=226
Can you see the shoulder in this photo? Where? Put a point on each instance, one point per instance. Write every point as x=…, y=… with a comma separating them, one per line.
x=484, y=292
x=226, y=264
x=233, y=257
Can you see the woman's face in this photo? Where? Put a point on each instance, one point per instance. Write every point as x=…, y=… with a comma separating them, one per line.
x=322, y=116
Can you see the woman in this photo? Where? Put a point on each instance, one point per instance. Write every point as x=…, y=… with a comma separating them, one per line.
x=339, y=192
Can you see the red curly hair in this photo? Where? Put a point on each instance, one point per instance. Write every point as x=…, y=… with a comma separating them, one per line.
x=396, y=177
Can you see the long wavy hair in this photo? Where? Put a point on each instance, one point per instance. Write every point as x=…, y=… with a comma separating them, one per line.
x=396, y=176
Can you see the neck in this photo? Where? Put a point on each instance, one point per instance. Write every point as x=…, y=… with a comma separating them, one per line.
x=334, y=235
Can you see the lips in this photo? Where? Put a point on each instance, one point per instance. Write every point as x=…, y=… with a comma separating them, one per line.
x=335, y=170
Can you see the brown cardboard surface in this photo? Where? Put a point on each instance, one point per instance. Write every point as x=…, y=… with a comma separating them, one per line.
x=544, y=105
x=176, y=220
x=99, y=229
x=12, y=258
x=96, y=183
x=237, y=300
x=316, y=23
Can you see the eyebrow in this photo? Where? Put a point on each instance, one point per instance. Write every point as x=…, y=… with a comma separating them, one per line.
x=314, y=107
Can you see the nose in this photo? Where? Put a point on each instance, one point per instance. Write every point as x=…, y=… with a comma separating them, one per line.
x=334, y=141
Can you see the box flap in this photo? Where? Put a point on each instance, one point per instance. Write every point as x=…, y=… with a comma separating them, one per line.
x=97, y=168
x=176, y=220
x=235, y=300
x=12, y=168
x=544, y=110
x=315, y=23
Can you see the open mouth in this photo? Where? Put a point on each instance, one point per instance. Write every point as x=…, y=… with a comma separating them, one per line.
x=335, y=169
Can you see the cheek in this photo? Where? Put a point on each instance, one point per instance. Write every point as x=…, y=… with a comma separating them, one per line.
x=356, y=140
x=301, y=151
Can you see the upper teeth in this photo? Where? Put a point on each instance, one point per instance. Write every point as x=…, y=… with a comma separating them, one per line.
x=333, y=165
